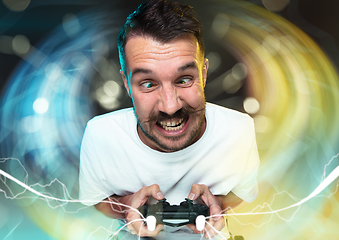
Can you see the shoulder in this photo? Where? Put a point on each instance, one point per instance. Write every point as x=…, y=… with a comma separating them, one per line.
x=223, y=115
x=120, y=120
x=222, y=121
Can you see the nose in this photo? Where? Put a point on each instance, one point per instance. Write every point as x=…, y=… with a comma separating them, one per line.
x=170, y=101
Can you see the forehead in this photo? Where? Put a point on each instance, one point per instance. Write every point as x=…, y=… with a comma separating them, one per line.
x=142, y=50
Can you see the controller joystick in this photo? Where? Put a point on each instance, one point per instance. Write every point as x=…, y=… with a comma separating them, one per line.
x=151, y=222
x=200, y=222
x=175, y=215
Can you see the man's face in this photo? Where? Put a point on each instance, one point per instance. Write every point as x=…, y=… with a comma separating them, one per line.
x=166, y=83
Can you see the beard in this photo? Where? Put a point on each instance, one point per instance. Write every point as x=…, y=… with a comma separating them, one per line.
x=196, y=118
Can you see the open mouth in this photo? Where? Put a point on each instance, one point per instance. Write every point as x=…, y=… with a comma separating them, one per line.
x=173, y=124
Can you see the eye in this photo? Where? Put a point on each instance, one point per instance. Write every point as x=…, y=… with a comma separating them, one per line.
x=148, y=85
x=183, y=81
x=186, y=81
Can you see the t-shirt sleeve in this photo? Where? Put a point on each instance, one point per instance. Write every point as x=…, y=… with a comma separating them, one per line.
x=92, y=188
x=247, y=188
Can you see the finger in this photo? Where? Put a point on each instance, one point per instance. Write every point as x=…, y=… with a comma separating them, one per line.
x=137, y=227
x=130, y=227
x=155, y=232
x=154, y=191
x=215, y=211
x=133, y=228
x=193, y=228
x=197, y=190
x=203, y=192
x=216, y=221
x=143, y=231
x=134, y=221
x=141, y=197
x=214, y=227
x=146, y=192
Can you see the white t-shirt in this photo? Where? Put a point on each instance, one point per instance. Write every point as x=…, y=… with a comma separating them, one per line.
x=115, y=161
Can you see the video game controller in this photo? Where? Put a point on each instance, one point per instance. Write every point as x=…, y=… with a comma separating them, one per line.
x=175, y=215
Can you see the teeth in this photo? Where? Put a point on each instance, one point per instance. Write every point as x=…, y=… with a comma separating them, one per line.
x=172, y=125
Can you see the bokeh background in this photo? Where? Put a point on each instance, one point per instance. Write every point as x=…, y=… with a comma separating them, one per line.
x=276, y=60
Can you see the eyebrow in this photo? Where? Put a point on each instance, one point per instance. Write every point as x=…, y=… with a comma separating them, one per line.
x=141, y=70
x=188, y=65
x=180, y=69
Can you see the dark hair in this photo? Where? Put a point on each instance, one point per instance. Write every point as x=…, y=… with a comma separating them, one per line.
x=163, y=20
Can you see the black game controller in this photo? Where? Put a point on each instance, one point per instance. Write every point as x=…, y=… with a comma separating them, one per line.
x=175, y=215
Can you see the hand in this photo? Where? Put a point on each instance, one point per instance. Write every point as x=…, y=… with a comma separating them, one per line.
x=216, y=223
x=136, y=200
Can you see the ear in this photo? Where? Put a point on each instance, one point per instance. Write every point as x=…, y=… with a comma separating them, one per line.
x=204, y=71
x=125, y=82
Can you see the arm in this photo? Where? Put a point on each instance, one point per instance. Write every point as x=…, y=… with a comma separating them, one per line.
x=114, y=206
x=125, y=207
x=217, y=205
x=229, y=201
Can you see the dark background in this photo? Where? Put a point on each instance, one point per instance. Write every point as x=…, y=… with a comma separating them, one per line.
x=319, y=19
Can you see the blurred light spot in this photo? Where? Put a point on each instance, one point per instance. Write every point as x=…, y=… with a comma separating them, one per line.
x=239, y=71
x=271, y=44
x=79, y=230
x=108, y=102
x=251, y=105
x=71, y=25
x=41, y=105
x=30, y=124
x=107, y=95
x=20, y=45
x=214, y=61
x=52, y=71
x=112, y=89
x=16, y=5
x=103, y=68
x=100, y=47
x=230, y=84
x=233, y=81
x=275, y=5
x=221, y=24
x=6, y=44
x=262, y=124
x=78, y=61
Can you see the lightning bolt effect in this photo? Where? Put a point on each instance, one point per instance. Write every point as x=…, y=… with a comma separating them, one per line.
x=54, y=92
x=61, y=202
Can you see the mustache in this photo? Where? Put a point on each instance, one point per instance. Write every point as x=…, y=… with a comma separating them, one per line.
x=184, y=112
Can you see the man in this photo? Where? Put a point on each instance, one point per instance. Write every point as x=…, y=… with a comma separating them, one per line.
x=171, y=144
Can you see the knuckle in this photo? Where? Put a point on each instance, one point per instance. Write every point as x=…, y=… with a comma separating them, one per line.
x=128, y=220
x=147, y=188
x=155, y=186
